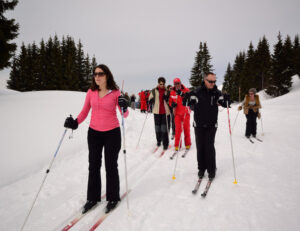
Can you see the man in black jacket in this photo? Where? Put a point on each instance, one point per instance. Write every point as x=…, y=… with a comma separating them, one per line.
x=206, y=100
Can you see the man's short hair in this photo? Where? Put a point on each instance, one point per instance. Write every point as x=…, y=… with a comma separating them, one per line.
x=161, y=79
x=209, y=73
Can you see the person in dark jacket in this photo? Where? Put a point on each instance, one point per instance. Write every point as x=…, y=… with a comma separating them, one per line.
x=132, y=101
x=206, y=100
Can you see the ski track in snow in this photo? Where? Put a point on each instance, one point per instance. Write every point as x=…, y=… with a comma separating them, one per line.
x=265, y=198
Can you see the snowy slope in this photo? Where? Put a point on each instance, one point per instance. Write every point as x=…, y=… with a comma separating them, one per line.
x=265, y=198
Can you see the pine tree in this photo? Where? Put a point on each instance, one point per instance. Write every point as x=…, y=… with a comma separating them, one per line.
x=69, y=57
x=42, y=66
x=56, y=65
x=237, y=75
x=296, y=56
x=247, y=78
x=207, y=67
x=8, y=32
x=13, y=82
x=281, y=71
x=23, y=68
x=35, y=70
x=262, y=63
x=196, y=75
x=87, y=73
x=227, y=80
x=94, y=64
x=80, y=67
x=201, y=66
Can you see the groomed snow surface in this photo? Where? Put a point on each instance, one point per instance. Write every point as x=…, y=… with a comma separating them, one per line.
x=266, y=196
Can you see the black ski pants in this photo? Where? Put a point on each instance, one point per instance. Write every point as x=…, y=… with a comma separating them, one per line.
x=251, y=124
x=161, y=130
x=111, y=142
x=206, y=154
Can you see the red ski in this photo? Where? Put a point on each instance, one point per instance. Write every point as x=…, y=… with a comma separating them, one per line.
x=103, y=217
x=79, y=216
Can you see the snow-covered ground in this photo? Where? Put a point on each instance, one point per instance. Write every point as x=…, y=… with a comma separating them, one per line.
x=265, y=198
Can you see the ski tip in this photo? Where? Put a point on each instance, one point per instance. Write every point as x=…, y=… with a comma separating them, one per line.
x=173, y=177
x=235, y=182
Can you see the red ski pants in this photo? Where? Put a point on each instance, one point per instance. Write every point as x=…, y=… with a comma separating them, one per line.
x=182, y=121
x=144, y=105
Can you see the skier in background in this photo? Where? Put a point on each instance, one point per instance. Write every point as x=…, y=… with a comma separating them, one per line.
x=181, y=114
x=132, y=101
x=104, y=133
x=251, y=106
x=143, y=101
x=161, y=112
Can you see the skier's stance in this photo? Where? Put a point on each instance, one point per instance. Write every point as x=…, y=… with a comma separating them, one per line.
x=206, y=99
x=251, y=106
x=181, y=114
x=104, y=132
x=161, y=112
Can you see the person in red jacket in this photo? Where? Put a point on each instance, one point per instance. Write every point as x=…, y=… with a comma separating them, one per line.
x=143, y=101
x=181, y=114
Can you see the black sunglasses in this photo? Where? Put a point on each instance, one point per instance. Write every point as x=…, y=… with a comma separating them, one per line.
x=211, y=81
x=100, y=74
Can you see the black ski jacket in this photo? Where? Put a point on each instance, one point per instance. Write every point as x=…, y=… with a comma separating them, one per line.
x=206, y=109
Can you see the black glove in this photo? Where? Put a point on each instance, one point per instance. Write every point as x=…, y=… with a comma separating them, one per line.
x=227, y=99
x=174, y=105
x=179, y=92
x=151, y=101
x=123, y=102
x=71, y=123
x=166, y=98
x=185, y=99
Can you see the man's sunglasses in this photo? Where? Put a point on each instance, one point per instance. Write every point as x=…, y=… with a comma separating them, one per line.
x=176, y=83
x=211, y=81
x=100, y=74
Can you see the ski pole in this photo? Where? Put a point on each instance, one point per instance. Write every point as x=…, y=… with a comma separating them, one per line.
x=234, y=171
x=124, y=151
x=47, y=171
x=142, y=129
x=235, y=120
x=262, y=130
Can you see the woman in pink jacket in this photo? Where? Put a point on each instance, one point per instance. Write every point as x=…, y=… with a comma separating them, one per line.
x=104, y=132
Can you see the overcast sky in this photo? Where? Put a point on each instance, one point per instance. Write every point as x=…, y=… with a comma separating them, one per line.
x=141, y=40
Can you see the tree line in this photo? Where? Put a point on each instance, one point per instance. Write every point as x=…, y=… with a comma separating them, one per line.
x=260, y=69
x=256, y=68
x=51, y=65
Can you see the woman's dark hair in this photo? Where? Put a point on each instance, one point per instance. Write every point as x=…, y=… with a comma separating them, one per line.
x=111, y=84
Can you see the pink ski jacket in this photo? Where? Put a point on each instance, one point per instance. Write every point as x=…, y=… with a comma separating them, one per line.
x=104, y=114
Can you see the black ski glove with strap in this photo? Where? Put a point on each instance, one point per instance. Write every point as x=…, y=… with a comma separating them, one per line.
x=71, y=123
